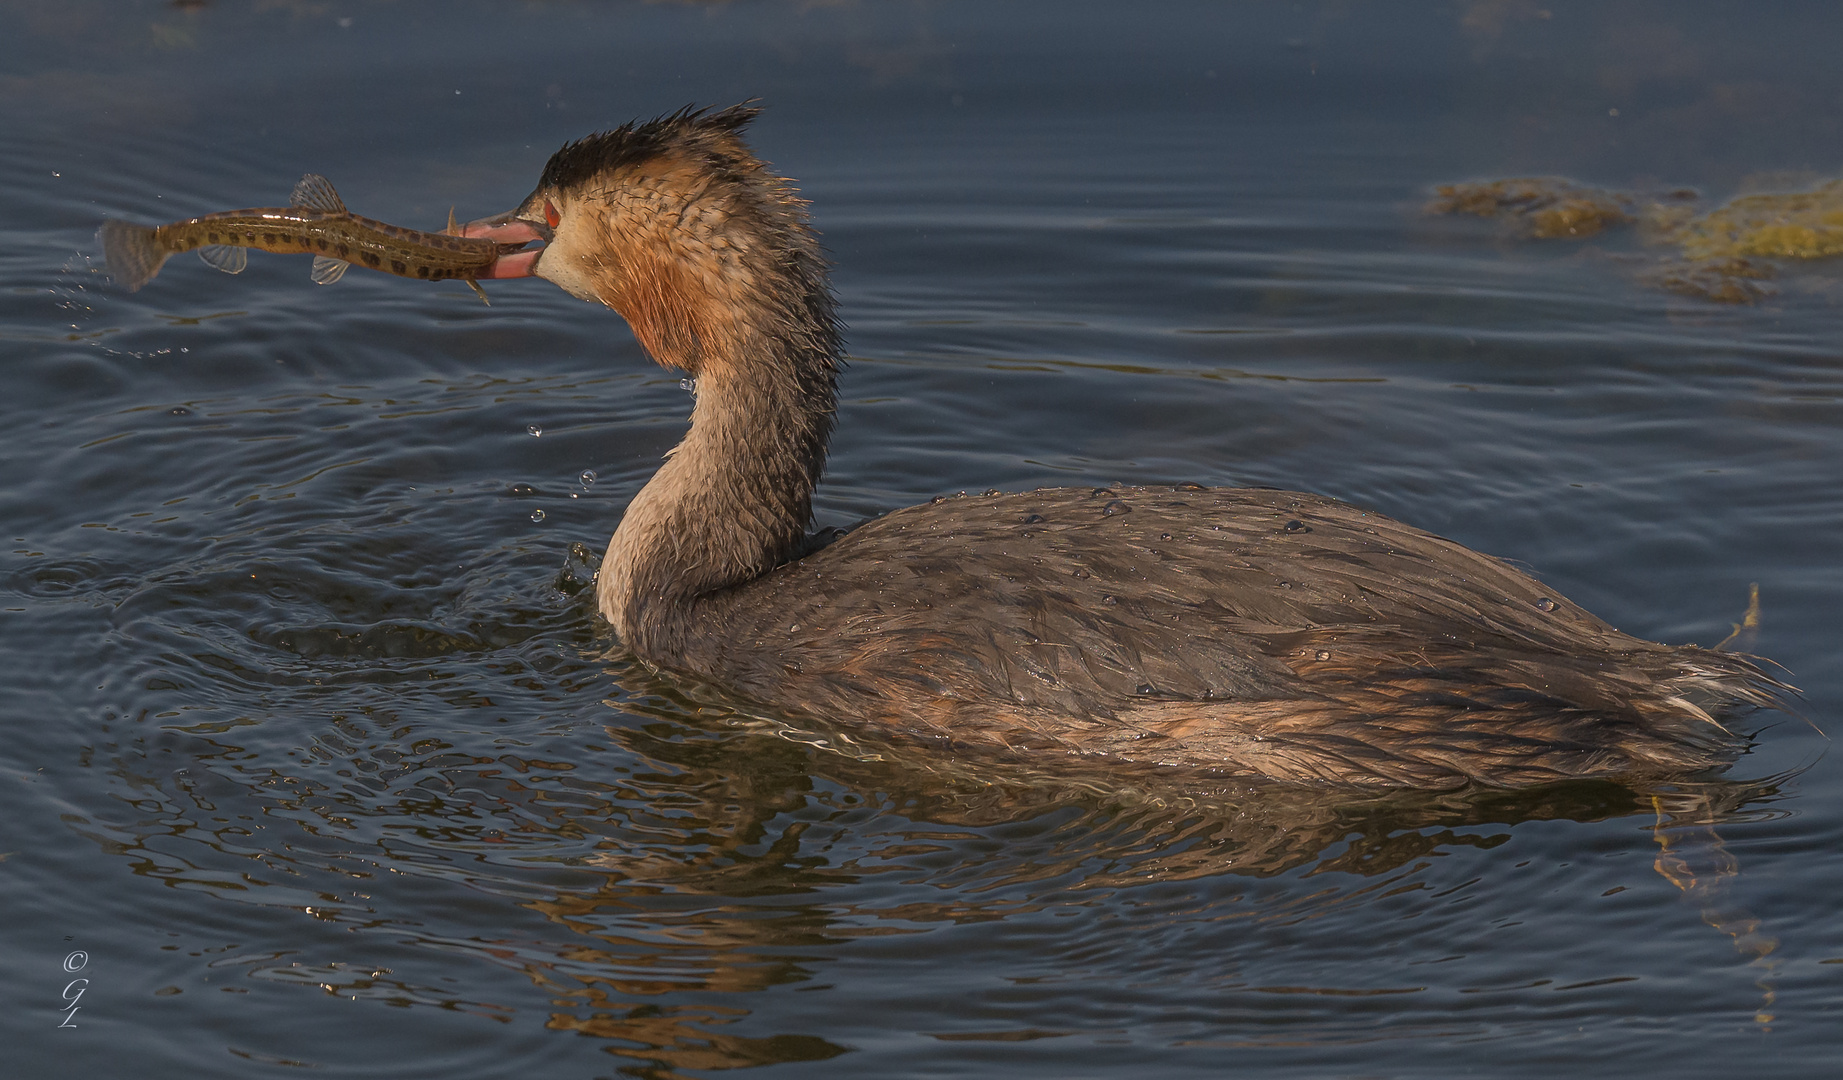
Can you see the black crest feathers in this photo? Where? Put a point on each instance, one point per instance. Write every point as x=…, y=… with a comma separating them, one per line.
x=689, y=130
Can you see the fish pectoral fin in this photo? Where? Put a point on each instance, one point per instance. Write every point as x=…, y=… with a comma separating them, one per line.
x=475, y=286
x=315, y=192
x=224, y=257
x=326, y=271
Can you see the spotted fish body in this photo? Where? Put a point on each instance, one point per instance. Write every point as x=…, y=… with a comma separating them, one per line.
x=315, y=223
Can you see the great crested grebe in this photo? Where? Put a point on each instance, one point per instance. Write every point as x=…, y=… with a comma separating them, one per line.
x=1242, y=632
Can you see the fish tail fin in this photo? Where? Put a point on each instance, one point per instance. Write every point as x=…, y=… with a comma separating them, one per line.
x=133, y=253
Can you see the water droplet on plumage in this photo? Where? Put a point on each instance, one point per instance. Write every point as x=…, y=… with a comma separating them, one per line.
x=1545, y=604
x=1108, y=600
x=1115, y=506
x=1323, y=654
x=1081, y=572
x=1298, y=527
x=1035, y=519
x=992, y=491
x=1147, y=688
x=1164, y=536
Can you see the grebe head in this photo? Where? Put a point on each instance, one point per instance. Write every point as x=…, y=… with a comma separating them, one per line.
x=674, y=224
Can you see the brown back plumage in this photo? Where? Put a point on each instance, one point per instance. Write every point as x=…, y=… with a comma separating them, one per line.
x=1240, y=631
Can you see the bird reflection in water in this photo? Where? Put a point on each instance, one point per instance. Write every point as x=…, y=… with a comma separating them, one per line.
x=757, y=818
x=697, y=851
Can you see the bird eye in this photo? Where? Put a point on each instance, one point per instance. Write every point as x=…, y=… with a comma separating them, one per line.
x=551, y=217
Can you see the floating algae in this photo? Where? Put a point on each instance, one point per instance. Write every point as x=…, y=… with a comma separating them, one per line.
x=1541, y=207
x=1725, y=281
x=1798, y=225
x=1720, y=251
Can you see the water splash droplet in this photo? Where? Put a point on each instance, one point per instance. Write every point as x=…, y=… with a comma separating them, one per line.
x=537, y=515
x=588, y=477
x=690, y=386
x=533, y=429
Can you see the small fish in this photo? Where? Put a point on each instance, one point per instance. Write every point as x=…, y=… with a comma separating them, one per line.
x=315, y=222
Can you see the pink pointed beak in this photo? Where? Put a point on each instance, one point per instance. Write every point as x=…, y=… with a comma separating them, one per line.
x=507, y=229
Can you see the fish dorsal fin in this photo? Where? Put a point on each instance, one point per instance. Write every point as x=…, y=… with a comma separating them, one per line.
x=315, y=192
x=326, y=271
x=229, y=259
x=452, y=229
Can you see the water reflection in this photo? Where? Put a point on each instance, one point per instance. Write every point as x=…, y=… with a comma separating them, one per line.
x=688, y=857
x=1692, y=856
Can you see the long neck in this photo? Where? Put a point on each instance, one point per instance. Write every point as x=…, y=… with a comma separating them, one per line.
x=733, y=499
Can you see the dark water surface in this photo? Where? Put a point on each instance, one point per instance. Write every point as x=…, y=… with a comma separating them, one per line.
x=318, y=756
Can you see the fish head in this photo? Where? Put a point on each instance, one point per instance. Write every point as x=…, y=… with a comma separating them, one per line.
x=510, y=229
x=675, y=225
